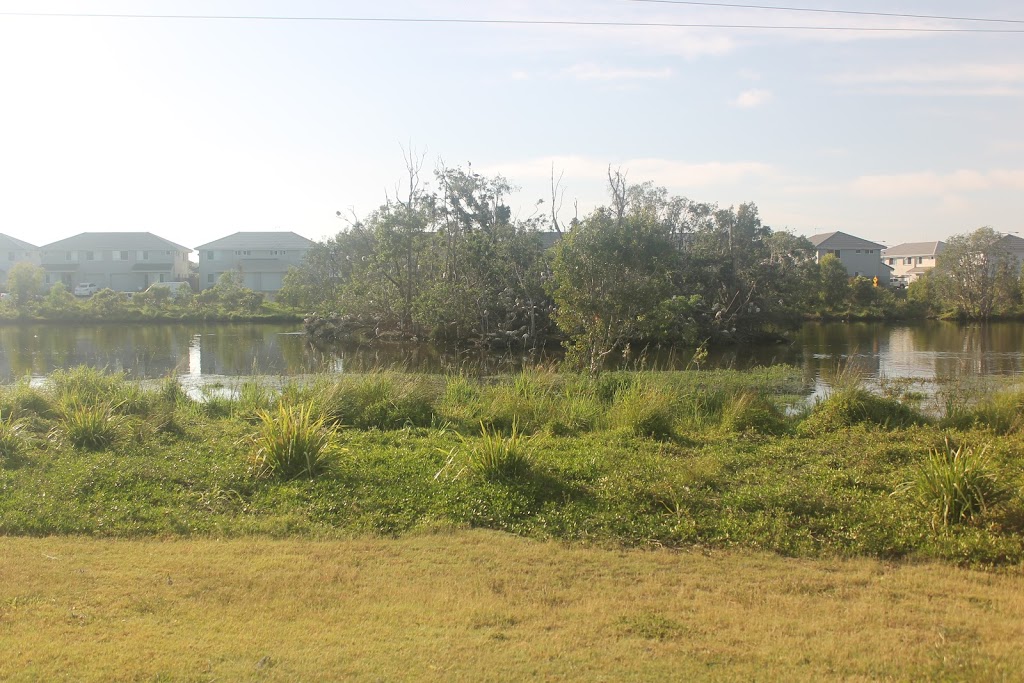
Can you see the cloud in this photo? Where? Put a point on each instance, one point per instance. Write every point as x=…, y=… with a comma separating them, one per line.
x=936, y=184
x=593, y=72
x=941, y=80
x=749, y=99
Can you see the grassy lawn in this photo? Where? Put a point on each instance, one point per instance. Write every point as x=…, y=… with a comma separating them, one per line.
x=482, y=605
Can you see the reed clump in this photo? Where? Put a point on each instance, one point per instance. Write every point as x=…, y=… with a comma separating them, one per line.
x=291, y=441
x=954, y=484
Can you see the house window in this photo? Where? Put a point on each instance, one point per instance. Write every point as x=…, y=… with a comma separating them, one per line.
x=278, y=252
x=892, y=262
x=243, y=252
x=10, y=256
x=119, y=255
x=859, y=251
x=209, y=256
x=909, y=261
x=920, y=260
x=90, y=256
x=161, y=277
x=211, y=279
x=70, y=256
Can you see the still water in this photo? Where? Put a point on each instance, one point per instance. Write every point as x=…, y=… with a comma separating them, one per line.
x=215, y=352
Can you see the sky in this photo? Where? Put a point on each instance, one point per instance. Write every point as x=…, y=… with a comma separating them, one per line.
x=197, y=128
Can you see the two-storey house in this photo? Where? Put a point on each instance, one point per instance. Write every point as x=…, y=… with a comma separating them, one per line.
x=12, y=251
x=912, y=259
x=860, y=257
x=122, y=261
x=262, y=258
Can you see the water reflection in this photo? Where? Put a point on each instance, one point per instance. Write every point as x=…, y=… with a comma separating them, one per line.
x=926, y=351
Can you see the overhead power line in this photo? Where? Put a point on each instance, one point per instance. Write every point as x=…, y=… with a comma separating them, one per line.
x=511, y=22
x=859, y=13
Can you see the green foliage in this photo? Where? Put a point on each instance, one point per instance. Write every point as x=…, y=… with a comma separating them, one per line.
x=954, y=484
x=24, y=281
x=291, y=442
x=835, y=282
x=975, y=275
x=379, y=400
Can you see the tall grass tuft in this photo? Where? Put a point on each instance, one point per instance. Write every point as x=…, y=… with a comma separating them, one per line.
x=854, y=405
x=643, y=409
x=291, y=441
x=954, y=484
x=749, y=411
x=500, y=457
x=11, y=439
x=90, y=427
x=382, y=400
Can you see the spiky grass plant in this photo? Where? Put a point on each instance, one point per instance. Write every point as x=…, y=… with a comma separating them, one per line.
x=11, y=439
x=92, y=426
x=291, y=441
x=954, y=484
x=497, y=456
x=644, y=409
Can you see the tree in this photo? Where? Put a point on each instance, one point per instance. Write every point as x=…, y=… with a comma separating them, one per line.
x=24, y=280
x=835, y=282
x=975, y=275
x=609, y=275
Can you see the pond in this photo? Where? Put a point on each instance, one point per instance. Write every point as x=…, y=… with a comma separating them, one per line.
x=218, y=352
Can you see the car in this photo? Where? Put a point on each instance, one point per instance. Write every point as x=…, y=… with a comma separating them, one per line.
x=86, y=289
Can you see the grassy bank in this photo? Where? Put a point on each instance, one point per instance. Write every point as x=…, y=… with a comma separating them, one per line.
x=486, y=606
x=637, y=459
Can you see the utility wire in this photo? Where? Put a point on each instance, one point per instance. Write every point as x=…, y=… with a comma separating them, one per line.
x=510, y=22
x=858, y=13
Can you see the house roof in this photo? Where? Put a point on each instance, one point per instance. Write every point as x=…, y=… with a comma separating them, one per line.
x=7, y=243
x=1011, y=243
x=915, y=249
x=260, y=240
x=841, y=240
x=114, y=241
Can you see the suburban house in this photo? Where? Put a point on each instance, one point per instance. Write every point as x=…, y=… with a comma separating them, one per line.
x=860, y=256
x=912, y=259
x=122, y=261
x=15, y=251
x=262, y=258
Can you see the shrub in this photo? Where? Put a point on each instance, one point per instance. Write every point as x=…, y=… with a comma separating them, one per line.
x=954, y=484
x=91, y=427
x=290, y=442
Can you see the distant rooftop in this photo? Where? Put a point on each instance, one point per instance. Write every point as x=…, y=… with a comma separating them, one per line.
x=8, y=243
x=841, y=240
x=260, y=240
x=113, y=241
x=915, y=249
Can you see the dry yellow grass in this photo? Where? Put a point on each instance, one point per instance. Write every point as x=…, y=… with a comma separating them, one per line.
x=485, y=606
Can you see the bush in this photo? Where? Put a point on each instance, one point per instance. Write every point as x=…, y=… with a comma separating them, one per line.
x=291, y=442
x=11, y=440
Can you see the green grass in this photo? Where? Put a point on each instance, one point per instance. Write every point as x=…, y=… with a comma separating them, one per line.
x=719, y=468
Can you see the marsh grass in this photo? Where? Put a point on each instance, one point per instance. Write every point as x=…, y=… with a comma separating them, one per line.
x=291, y=441
x=750, y=411
x=12, y=441
x=643, y=409
x=954, y=484
x=498, y=456
x=90, y=426
x=381, y=400
x=854, y=405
